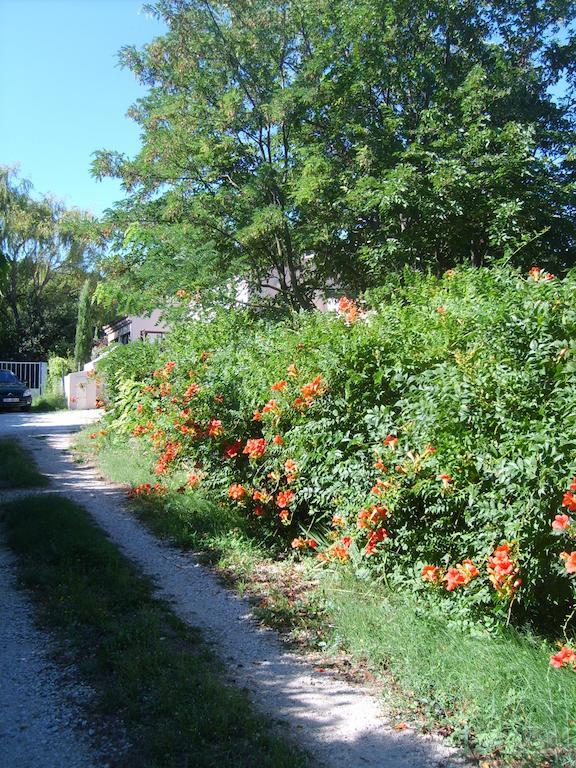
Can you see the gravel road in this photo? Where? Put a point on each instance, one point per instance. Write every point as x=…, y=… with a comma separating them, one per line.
x=340, y=724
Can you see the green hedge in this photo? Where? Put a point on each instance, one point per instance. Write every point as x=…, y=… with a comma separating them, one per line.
x=462, y=387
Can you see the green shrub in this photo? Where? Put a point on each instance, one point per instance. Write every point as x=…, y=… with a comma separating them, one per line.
x=58, y=367
x=432, y=429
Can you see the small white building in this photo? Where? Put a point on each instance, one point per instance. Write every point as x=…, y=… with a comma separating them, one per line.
x=135, y=327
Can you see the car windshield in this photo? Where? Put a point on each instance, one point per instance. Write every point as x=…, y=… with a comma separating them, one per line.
x=7, y=377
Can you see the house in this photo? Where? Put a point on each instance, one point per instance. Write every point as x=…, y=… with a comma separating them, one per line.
x=134, y=327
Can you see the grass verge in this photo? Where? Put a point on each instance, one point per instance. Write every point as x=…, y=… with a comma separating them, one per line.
x=17, y=467
x=492, y=693
x=495, y=693
x=148, y=668
x=49, y=402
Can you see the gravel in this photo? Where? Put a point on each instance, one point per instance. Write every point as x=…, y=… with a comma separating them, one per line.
x=340, y=724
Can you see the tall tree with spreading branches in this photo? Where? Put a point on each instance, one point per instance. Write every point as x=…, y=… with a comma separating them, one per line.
x=301, y=144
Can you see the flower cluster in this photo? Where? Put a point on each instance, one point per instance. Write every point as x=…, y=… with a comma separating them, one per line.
x=566, y=657
x=146, y=490
x=255, y=448
x=563, y=524
x=168, y=455
x=302, y=544
x=538, y=275
x=503, y=571
x=237, y=492
x=338, y=551
x=349, y=310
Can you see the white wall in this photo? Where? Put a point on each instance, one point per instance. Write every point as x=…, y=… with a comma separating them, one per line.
x=82, y=390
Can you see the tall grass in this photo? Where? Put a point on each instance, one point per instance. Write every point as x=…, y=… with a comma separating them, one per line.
x=496, y=691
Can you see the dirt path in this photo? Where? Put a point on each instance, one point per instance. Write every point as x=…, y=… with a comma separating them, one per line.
x=339, y=724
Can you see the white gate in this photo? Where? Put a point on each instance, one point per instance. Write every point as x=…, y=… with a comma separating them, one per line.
x=34, y=375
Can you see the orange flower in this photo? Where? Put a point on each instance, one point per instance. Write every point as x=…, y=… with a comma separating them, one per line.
x=468, y=568
x=367, y=518
x=237, y=492
x=215, y=428
x=446, y=480
x=573, y=484
x=503, y=571
x=569, y=561
x=379, y=464
x=441, y=310
x=314, y=388
x=193, y=480
x=279, y=386
x=380, y=488
x=291, y=470
x=271, y=407
x=259, y=510
x=561, y=522
x=292, y=370
x=300, y=404
x=454, y=578
x=349, y=309
x=391, y=441
x=563, y=658
x=261, y=496
x=375, y=538
x=431, y=573
x=337, y=521
x=257, y=416
x=278, y=440
x=337, y=551
x=192, y=390
x=460, y=575
x=569, y=500
x=284, y=514
x=284, y=499
x=255, y=448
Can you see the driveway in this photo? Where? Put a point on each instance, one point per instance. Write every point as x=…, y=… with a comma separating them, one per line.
x=53, y=422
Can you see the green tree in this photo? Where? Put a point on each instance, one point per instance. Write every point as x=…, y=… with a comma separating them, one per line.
x=322, y=142
x=45, y=252
x=84, y=326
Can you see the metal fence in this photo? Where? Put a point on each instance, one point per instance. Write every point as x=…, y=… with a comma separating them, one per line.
x=34, y=375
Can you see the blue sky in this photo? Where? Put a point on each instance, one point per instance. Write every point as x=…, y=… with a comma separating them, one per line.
x=63, y=95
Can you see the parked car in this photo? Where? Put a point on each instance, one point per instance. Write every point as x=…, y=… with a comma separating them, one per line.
x=14, y=393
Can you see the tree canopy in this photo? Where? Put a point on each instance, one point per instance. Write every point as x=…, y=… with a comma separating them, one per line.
x=45, y=252
x=303, y=144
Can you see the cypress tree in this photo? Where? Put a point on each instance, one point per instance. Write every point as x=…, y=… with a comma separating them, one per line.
x=84, y=329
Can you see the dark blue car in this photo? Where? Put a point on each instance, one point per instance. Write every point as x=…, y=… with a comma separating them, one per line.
x=13, y=393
